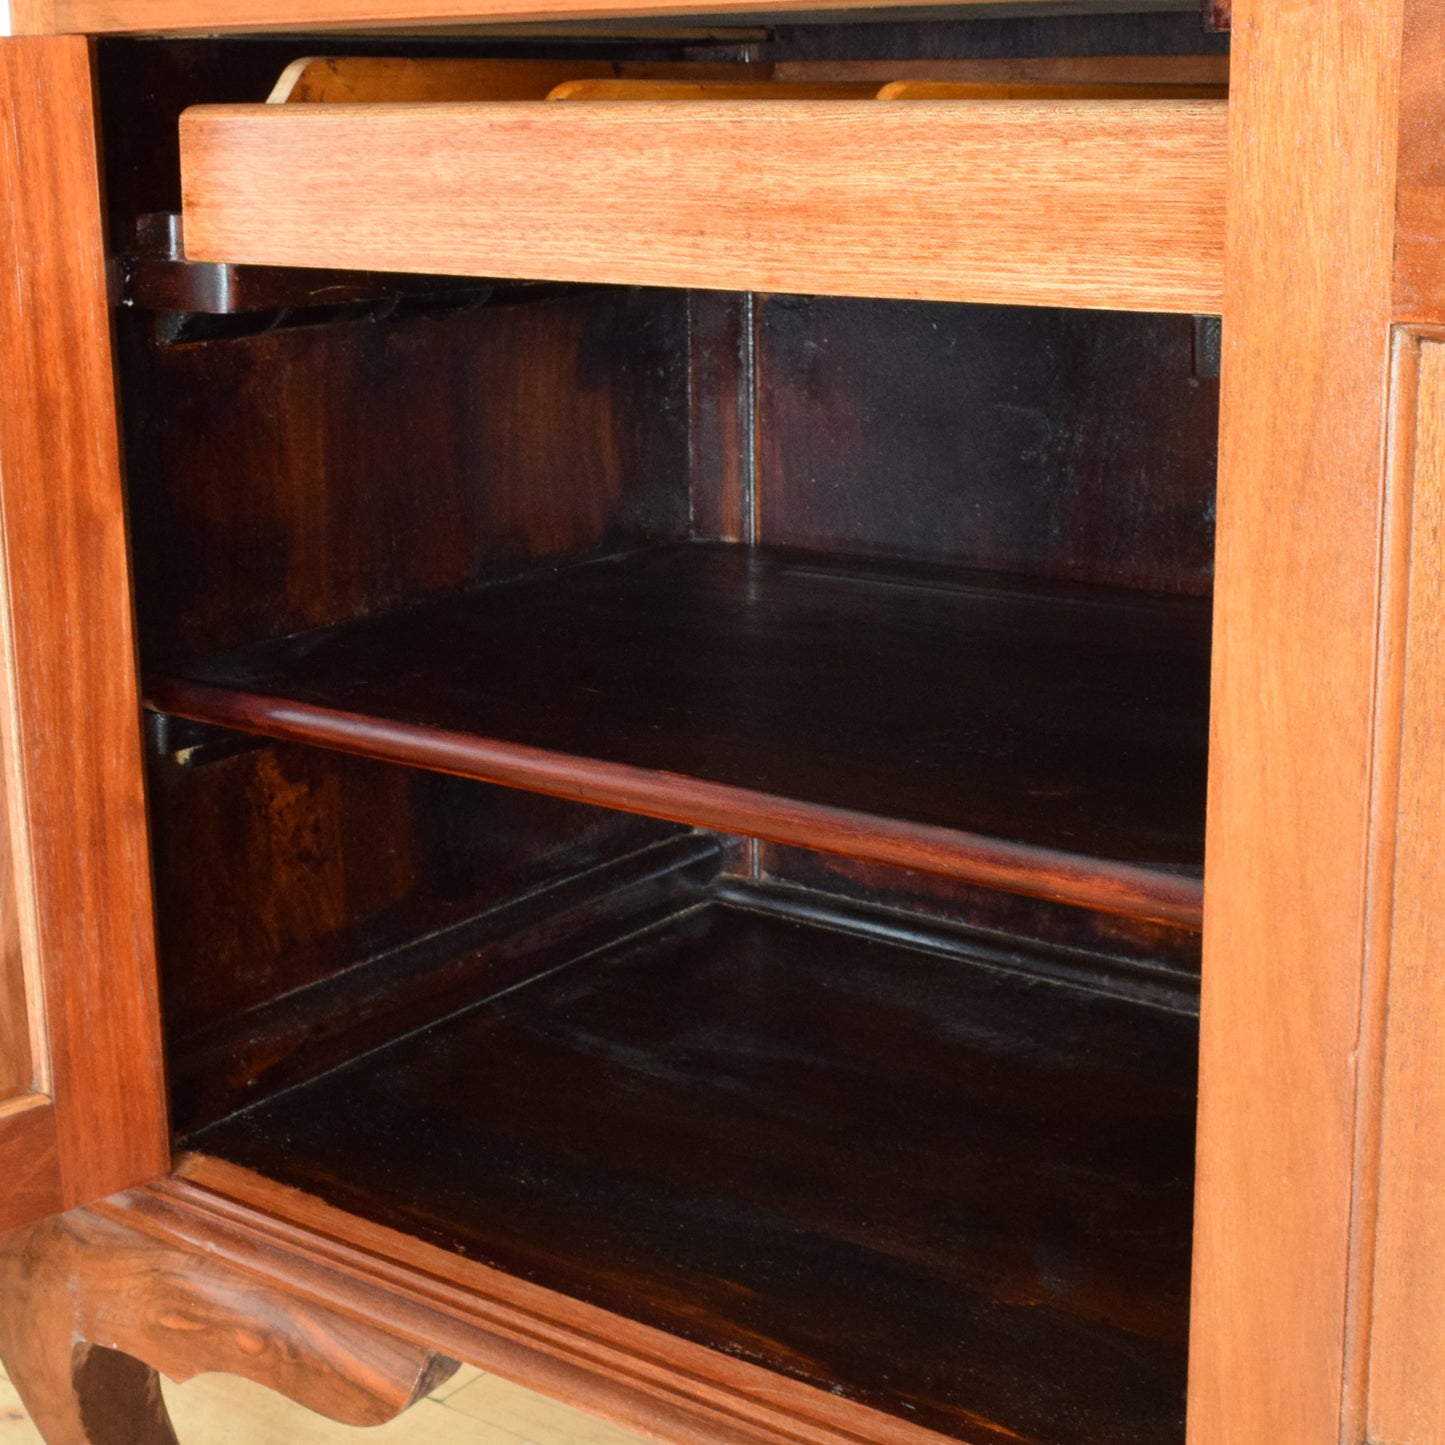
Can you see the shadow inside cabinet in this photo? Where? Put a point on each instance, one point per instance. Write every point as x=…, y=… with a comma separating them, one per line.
x=696, y=800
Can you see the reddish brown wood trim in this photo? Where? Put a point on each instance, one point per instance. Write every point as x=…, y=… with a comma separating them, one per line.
x=29, y=1162
x=95, y=1308
x=74, y=654
x=950, y=202
x=1115, y=887
x=1293, y=803
x=635, y=1375
x=1420, y=199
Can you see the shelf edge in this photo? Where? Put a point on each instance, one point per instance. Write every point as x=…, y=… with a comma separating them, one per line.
x=1107, y=885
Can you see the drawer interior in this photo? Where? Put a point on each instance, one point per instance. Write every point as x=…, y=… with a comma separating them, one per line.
x=693, y=797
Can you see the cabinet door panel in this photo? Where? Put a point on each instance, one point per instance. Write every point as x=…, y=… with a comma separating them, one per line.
x=81, y=1096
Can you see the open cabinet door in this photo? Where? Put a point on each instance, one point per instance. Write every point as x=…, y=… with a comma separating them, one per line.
x=82, y=1104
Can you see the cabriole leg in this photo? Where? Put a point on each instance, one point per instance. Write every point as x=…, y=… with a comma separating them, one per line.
x=90, y=1311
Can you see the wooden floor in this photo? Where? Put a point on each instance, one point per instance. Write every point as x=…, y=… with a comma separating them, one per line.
x=470, y=1409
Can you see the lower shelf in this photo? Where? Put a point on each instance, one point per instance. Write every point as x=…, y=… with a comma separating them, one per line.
x=956, y=1193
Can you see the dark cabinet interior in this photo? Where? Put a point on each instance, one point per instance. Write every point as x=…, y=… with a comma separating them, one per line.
x=695, y=799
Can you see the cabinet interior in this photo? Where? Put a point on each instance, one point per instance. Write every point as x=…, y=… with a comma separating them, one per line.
x=693, y=798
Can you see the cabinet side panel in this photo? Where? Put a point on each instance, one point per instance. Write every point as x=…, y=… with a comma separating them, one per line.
x=1069, y=444
x=1313, y=114
x=78, y=710
x=1407, y=1344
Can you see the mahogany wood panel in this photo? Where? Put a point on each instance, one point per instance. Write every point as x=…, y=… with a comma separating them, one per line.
x=332, y=471
x=40, y=17
x=1052, y=443
x=1043, y=739
x=72, y=648
x=722, y=414
x=1406, y=1362
x=269, y=877
x=1292, y=802
x=848, y=1160
x=655, y=1383
x=93, y=1310
x=17, y=1016
x=369, y=78
x=287, y=1039
x=953, y=200
x=1014, y=34
x=30, y=1159
x=1420, y=239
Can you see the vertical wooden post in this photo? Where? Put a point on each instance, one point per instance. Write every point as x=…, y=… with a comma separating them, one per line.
x=1306, y=381
x=78, y=732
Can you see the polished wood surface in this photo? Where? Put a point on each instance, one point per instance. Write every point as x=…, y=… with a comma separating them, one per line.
x=1406, y=1384
x=796, y=1144
x=77, y=721
x=962, y=203
x=1043, y=739
x=93, y=1310
x=1420, y=239
x=18, y=978
x=290, y=1036
x=359, y=79
x=654, y=1383
x=422, y=455
x=1040, y=69
x=1313, y=110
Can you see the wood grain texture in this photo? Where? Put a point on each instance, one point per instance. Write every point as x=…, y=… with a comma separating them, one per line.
x=721, y=415
x=19, y=1002
x=810, y=1137
x=78, y=731
x=29, y=1160
x=361, y=79
x=713, y=90
x=1043, y=443
x=1406, y=1365
x=1056, y=69
x=1301, y=516
x=639, y=1377
x=350, y=469
x=63, y=17
x=1420, y=239
x=954, y=722
x=958, y=201
x=95, y=1310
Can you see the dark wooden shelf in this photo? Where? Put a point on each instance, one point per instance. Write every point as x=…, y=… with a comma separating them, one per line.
x=1046, y=739
x=958, y=1193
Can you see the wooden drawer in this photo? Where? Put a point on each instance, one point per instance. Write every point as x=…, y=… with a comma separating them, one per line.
x=1104, y=203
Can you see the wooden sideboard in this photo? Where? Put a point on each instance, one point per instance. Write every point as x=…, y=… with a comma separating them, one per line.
x=699, y=747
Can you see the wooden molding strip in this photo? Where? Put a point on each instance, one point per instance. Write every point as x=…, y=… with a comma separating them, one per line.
x=71, y=643
x=633, y=1374
x=1113, y=204
x=1106, y=884
x=373, y=79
